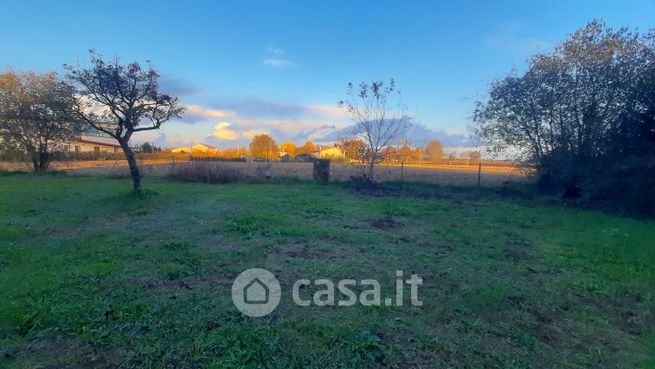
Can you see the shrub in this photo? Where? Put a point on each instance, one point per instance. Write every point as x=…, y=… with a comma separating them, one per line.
x=161, y=155
x=14, y=156
x=584, y=116
x=216, y=158
x=86, y=156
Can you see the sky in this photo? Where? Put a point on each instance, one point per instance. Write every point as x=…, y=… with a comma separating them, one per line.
x=279, y=67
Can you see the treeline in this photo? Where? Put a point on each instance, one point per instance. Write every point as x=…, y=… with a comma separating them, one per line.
x=583, y=115
x=264, y=147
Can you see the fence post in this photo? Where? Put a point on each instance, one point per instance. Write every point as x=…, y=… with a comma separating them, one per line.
x=321, y=172
x=479, y=173
x=111, y=170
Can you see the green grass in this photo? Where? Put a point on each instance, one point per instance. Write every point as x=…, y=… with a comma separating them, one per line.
x=93, y=277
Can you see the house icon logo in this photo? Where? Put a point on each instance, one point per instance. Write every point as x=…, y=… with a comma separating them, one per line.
x=256, y=292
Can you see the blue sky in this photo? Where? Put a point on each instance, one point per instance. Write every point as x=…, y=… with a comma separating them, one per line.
x=245, y=67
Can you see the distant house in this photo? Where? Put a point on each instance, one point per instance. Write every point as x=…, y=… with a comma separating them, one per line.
x=93, y=143
x=283, y=155
x=330, y=153
x=203, y=149
x=181, y=150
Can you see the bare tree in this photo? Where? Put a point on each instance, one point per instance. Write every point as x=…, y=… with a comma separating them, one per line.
x=35, y=115
x=379, y=116
x=121, y=100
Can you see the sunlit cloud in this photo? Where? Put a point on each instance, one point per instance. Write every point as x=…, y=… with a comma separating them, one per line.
x=226, y=120
x=230, y=121
x=222, y=132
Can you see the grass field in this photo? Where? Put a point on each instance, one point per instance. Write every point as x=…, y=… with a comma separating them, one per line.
x=91, y=277
x=492, y=175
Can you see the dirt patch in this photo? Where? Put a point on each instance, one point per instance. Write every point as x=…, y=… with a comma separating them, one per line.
x=385, y=223
x=184, y=283
x=436, y=246
x=629, y=313
x=298, y=251
x=217, y=244
x=515, y=254
x=304, y=251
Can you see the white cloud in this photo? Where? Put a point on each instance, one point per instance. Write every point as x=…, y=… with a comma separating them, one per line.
x=455, y=131
x=222, y=131
x=173, y=140
x=327, y=110
x=512, y=38
x=277, y=63
x=275, y=50
x=207, y=113
x=275, y=60
x=226, y=121
x=287, y=125
x=250, y=134
x=320, y=133
x=147, y=136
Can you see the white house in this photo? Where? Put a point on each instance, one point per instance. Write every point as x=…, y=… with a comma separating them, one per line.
x=92, y=143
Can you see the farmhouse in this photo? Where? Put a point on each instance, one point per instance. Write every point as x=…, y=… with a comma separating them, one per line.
x=330, y=153
x=203, y=149
x=93, y=143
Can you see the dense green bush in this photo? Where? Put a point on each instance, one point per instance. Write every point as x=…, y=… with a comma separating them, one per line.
x=584, y=116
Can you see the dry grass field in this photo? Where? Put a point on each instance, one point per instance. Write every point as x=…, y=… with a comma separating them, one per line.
x=445, y=174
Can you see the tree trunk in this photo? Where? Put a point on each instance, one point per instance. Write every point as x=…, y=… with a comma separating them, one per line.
x=134, y=169
x=371, y=165
x=40, y=161
x=44, y=161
